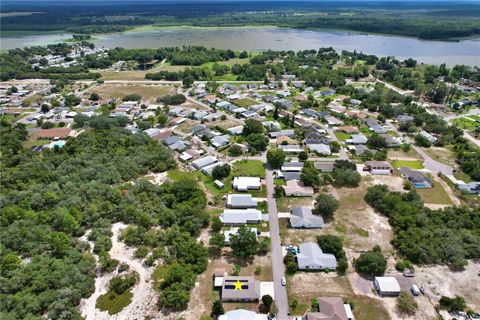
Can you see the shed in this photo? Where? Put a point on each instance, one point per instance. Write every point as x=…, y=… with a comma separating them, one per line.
x=387, y=286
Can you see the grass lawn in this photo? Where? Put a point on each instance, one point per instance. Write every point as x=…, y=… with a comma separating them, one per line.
x=465, y=124
x=368, y=308
x=412, y=164
x=460, y=175
x=35, y=143
x=245, y=102
x=249, y=168
x=474, y=117
x=436, y=195
x=342, y=136
x=113, y=303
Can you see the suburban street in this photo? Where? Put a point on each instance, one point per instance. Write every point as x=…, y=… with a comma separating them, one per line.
x=281, y=299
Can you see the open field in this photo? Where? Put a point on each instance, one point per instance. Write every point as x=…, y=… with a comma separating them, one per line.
x=245, y=102
x=412, y=164
x=284, y=204
x=442, y=154
x=118, y=91
x=466, y=124
x=342, y=136
x=123, y=75
x=224, y=124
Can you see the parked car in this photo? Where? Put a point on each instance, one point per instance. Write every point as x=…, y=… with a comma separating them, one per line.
x=415, y=290
x=284, y=281
x=408, y=274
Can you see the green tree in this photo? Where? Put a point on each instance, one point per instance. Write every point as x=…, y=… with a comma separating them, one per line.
x=174, y=296
x=235, y=151
x=303, y=156
x=376, y=141
x=267, y=301
x=422, y=141
x=371, y=263
x=188, y=81
x=94, y=96
x=60, y=242
x=275, y=157
x=44, y=108
x=252, y=126
x=335, y=147
x=258, y=141
x=326, y=205
x=244, y=244
x=452, y=304
x=217, y=241
x=217, y=309
x=309, y=175
x=220, y=172
x=406, y=304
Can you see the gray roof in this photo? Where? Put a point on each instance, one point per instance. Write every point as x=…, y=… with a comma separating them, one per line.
x=171, y=140
x=203, y=162
x=291, y=175
x=241, y=201
x=209, y=169
x=302, y=217
x=219, y=141
x=250, y=289
x=293, y=166
x=324, y=166
x=241, y=216
x=414, y=175
x=310, y=255
x=288, y=133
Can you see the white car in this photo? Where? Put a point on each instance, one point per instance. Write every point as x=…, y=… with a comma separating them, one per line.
x=284, y=281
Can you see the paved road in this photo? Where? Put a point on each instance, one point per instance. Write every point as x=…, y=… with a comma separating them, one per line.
x=432, y=165
x=281, y=299
x=343, y=153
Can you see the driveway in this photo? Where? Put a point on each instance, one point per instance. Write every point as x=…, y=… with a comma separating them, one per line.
x=281, y=299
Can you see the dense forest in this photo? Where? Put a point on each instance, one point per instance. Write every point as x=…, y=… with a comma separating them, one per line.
x=51, y=199
x=425, y=236
x=439, y=20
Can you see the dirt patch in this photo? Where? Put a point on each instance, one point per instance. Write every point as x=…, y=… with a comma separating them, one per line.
x=440, y=280
x=149, y=92
x=224, y=124
x=394, y=182
x=359, y=225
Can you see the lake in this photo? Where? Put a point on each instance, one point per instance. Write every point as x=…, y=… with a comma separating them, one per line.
x=264, y=38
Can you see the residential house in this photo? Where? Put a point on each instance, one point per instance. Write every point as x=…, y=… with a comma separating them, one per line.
x=404, y=118
x=325, y=167
x=471, y=187
x=387, y=286
x=289, y=133
x=321, y=149
x=332, y=121
x=311, y=257
x=302, y=217
x=220, y=141
x=391, y=140
x=235, y=130
x=284, y=140
x=246, y=183
x=292, y=166
x=199, y=114
x=374, y=125
x=379, y=167
x=357, y=139
x=203, y=162
x=291, y=148
x=347, y=129
x=272, y=125
x=241, y=201
x=296, y=188
x=53, y=134
x=416, y=178
x=240, y=216
x=250, y=291
x=428, y=136
x=209, y=169
x=331, y=308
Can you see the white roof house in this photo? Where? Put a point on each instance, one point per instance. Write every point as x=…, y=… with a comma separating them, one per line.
x=235, y=130
x=203, y=162
x=209, y=169
x=220, y=141
x=241, y=216
x=246, y=183
x=291, y=148
x=234, y=231
x=241, y=201
x=322, y=149
x=386, y=286
x=311, y=257
x=292, y=166
x=242, y=314
x=357, y=139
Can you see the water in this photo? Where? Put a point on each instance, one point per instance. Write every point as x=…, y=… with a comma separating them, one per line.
x=264, y=38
